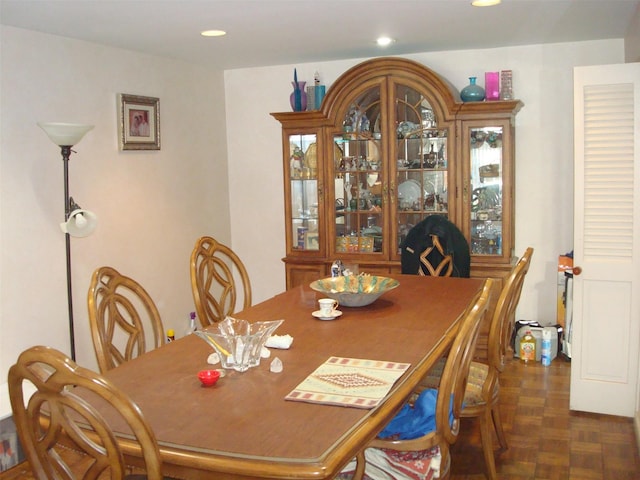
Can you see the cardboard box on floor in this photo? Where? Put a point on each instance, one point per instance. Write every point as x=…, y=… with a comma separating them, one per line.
x=537, y=334
x=565, y=263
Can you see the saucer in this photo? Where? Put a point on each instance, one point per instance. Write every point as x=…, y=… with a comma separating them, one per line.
x=318, y=314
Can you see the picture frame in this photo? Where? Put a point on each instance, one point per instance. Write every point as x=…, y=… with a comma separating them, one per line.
x=11, y=451
x=139, y=122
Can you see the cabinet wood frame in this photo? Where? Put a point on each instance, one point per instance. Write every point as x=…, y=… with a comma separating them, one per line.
x=451, y=114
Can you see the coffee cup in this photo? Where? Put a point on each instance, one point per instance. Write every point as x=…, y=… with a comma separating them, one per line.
x=327, y=306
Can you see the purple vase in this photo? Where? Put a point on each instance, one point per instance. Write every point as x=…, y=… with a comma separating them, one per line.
x=298, y=98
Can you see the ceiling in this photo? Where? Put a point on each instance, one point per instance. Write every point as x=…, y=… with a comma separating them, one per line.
x=276, y=32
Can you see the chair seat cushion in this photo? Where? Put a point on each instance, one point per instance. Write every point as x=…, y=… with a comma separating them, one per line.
x=477, y=376
x=386, y=464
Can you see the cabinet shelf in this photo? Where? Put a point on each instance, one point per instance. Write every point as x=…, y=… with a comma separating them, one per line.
x=424, y=169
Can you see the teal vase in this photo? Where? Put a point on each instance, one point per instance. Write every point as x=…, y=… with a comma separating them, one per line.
x=472, y=92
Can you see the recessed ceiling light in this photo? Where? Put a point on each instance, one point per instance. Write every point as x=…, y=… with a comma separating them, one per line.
x=384, y=41
x=213, y=33
x=485, y=3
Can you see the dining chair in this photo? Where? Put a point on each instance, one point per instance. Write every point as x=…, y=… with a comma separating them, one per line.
x=54, y=404
x=481, y=399
x=123, y=318
x=214, y=271
x=407, y=453
x=435, y=247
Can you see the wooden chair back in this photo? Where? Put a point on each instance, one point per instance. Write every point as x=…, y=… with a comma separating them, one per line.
x=456, y=369
x=451, y=389
x=123, y=318
x=501, y=327
x=213, y=281
x=55, y=416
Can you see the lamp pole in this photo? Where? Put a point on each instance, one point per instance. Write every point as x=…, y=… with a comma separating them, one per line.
x=66, y=153
x=66, y=135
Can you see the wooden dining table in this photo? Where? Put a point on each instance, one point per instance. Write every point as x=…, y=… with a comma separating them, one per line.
x=243, y=427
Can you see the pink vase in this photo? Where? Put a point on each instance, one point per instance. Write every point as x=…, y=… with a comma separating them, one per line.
x=492, y=86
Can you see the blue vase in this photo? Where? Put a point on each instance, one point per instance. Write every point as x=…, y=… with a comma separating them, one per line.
x=472, y=92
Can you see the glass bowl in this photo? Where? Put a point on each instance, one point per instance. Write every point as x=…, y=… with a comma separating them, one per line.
x=239, y=342
x=354, y=290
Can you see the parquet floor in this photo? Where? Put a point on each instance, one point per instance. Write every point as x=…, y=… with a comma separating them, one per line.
x=546, y=440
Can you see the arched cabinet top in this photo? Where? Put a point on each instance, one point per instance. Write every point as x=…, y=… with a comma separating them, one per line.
x=445, y=98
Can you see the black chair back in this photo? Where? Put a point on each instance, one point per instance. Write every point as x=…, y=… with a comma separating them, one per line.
x=435, y=246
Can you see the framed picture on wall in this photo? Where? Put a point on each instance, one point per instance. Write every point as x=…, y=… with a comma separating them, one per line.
x=139, y=122
x=11, y=452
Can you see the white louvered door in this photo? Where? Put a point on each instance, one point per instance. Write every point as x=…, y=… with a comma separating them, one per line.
x=606, y=321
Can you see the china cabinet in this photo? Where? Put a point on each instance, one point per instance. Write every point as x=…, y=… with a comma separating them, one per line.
x=391, y=145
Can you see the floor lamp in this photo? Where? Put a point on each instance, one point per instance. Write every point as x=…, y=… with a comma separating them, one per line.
x=77, y=222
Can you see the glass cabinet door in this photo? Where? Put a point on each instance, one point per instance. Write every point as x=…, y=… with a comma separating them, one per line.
x=421, y=162
x=486, y=192
x=303, y=178
x=358, y=165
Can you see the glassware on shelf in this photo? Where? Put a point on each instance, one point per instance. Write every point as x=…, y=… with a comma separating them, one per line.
x=428, y=119
x=421, y=163
x=506, y=85
x=304, y=192
x=297, y=158
x=492, y=85
x=472, y=92
x=486, y=190
x=298, y=98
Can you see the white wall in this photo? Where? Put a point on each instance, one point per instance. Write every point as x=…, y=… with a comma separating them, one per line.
x=632, y=39
x=542, y=76
x=151, y=205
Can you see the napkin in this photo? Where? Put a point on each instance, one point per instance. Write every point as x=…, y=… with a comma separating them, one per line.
x=279, y=341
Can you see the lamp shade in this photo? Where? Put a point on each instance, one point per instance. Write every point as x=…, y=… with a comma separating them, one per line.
x=65, y=134
x=81, y=223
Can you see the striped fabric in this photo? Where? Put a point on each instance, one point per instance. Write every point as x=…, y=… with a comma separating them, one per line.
x=477, y=376
x=386, y=464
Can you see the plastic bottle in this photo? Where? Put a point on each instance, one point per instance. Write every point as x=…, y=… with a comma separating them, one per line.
x=192, y=324
x=545, y=352
x=171, y=335
x=528, y=347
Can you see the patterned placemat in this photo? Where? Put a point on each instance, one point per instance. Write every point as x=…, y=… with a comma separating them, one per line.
x=349, y=382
